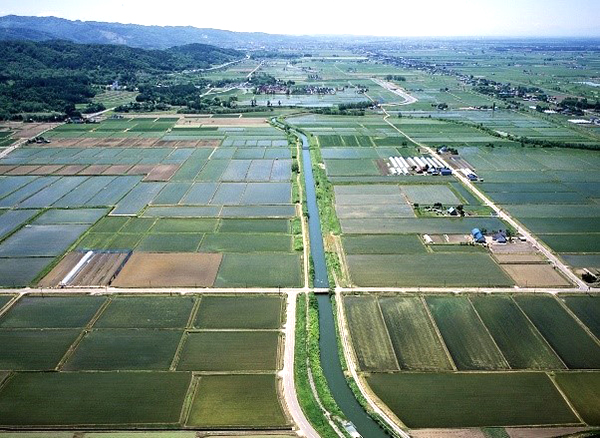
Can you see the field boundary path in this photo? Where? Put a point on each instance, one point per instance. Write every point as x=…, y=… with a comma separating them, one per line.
x=347, y=348
x=501, y=213
x=103, y=290
x=289, y=384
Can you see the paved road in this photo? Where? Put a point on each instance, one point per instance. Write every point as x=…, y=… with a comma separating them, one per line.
x=249, y=76
x=501, y=213
x=216, y=67
x=99, y=113
x=289, y=385
x=397, y=90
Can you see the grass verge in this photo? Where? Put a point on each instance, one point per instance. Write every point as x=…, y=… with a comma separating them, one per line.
x=307, y=400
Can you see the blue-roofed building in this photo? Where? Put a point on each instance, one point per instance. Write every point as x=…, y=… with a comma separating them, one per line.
x=477, y=235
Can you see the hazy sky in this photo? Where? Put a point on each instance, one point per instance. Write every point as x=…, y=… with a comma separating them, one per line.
x=383, y=17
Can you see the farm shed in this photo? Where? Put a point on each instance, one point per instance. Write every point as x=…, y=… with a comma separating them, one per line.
x=477, y=235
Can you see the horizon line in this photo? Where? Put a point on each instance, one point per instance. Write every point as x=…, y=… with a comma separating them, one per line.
x=488, y=36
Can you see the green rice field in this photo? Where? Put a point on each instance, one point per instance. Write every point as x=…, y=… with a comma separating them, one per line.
x=477, y=360
x=499, y=399
x=227, y=401
x=126, y=362
x=146, y=185
x=537, y=186
x=470, y=269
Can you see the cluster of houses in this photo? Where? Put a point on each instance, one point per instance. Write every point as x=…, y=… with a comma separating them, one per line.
x=38, y=140
x=500, y=237
x=303, y=89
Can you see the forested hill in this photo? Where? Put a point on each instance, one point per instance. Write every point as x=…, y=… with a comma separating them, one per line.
x=14, y=27
x=26, y=57
x=47, y=76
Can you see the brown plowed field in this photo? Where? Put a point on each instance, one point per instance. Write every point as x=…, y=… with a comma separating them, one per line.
x=22, y=170
x=140, y=169
x=535, y=275
x=99, y=271
x=54, y=277
x=520, y=258
x=29, y=130
x=162, y=172
x=5, y=168
x=190, y=122
x=117, y=169
x=70, y=170
x=94, y=169
x=169, y=270
x=47, y=169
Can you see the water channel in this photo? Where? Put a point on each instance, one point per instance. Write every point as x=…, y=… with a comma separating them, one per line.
x=330, y=360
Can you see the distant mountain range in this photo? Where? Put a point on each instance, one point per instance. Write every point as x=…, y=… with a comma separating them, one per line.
x=13, y=27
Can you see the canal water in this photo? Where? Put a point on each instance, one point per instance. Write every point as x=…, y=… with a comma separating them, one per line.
x=330, y=361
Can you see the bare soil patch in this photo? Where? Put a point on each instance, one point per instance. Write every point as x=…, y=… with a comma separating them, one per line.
x=447, y=433
x=169, y=270
x=208, y=142
x=61, y=142
x=515, y=247
x=457, y=238
x=94, y=169
x=162, y=172
x=22, y=170
x=141, y=169
x=89, y=142
x=520, y=258
x=47, y=169
x=29, y=130
x=541, y=432
x=5, y=168
x=191, y=122
x=538, y=275
x=99, y=271
x=54, y=277
x=383, y=167
x=117, y=169
x=70, y=170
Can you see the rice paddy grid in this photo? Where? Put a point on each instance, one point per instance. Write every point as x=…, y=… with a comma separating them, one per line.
x=499, y=399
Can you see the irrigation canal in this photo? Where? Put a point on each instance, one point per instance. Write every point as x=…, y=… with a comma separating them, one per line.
x=330, y=360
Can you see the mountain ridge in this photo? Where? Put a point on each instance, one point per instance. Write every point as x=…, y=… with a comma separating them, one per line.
x=134, y=35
